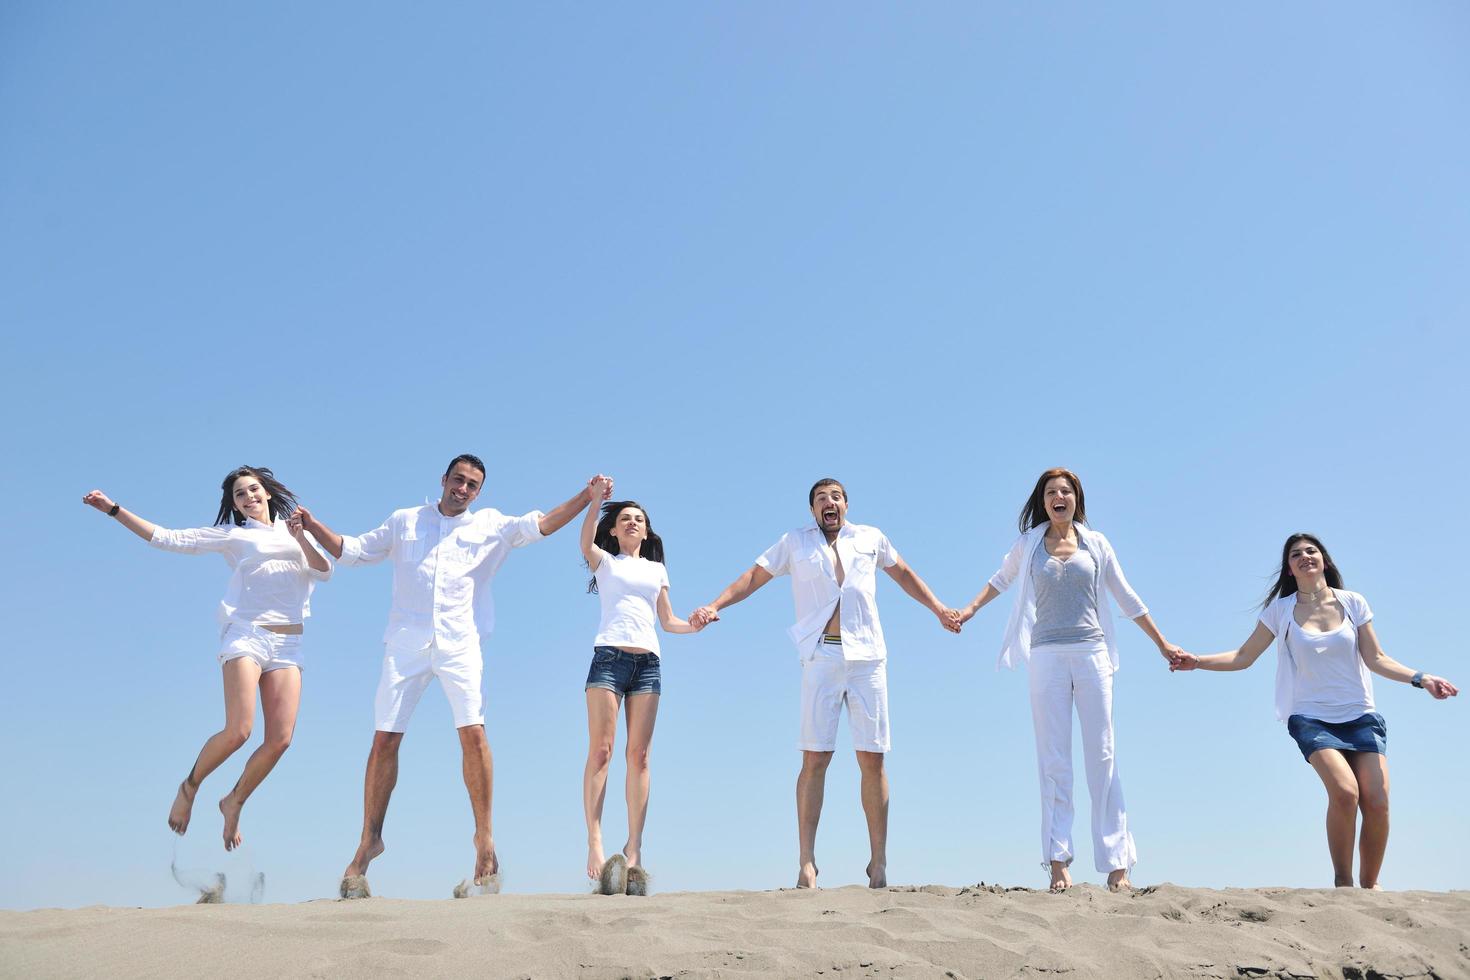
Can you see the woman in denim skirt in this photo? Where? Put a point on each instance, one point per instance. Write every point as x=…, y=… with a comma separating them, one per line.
x=628, y=575
x=1326, y=646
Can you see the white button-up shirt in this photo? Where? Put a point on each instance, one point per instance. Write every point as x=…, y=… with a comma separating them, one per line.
x=442, y=568
x=803, y=554
x=271, y=581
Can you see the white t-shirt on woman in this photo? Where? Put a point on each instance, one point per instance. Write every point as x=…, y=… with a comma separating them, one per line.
x=629, y=589
x=1321, y=675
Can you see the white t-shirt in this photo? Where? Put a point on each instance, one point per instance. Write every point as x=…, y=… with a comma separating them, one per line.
x=629, y=589
x=1324, y=677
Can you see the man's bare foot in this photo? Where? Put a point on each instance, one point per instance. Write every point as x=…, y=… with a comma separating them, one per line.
x=366, y=851
x=595, y=860
x=1061, y=878
x=1118, y=880
x=807, y=876
x=231, y=811
x=877, y=875
x=178, y=814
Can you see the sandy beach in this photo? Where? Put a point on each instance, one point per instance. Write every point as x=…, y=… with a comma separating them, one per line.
x=930, y=931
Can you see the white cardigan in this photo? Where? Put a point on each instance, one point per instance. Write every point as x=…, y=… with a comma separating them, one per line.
x=1017, y=644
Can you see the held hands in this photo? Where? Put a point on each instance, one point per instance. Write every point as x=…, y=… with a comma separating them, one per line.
x=703, y=616
x=1439, y=688
x=1181, y=659
x=99, y=500
x=950, y=619
x=599, y=489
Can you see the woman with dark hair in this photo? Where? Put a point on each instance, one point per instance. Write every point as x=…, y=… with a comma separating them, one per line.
x=1062, y=627
x=1325, y=647
x=273, y=568
x=628, y=575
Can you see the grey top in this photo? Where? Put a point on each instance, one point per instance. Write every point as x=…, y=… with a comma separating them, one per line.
x=1066, y=597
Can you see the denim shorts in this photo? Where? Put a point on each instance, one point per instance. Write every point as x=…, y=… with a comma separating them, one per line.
x=624, y=673
x=1366, y=733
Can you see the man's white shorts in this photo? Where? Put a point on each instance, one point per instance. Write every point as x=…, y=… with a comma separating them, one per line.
x=827, y=680
x=269, y=650
x=406, y=672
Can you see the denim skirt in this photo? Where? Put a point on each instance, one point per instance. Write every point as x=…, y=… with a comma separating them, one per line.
x=1367, y=733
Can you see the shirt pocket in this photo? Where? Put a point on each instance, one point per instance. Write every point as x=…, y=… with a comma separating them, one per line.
x=864, y=563
x=808, y=568
x=465, y=550
x=411, y=547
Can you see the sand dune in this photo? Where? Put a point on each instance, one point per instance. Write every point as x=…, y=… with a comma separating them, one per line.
x=836, y=934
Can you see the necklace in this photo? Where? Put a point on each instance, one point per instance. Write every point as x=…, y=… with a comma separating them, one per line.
x=1310, y=595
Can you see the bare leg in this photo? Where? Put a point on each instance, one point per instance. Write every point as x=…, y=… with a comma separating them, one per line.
x=377, y=788
x=1371, y=770
x=280, y=696
x=642, y=713
x=241, y=676
x=602, y=731
x=811, y=784
x=479, y=776
x=875, y=808
x=1342, y=811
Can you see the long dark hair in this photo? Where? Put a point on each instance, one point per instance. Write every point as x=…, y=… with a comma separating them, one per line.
x=1033, y=512
x=281, y=504
x=1286, y=582
x=652, y=548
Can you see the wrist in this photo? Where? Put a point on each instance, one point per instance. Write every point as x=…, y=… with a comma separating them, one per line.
x=112, y=511
x=1417, y=680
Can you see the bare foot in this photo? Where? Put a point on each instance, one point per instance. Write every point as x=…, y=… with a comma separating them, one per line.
x=486, y=863
x=807, y=876
x=595, y=860
x=366, y=851
x=1118, y=880
x=877, y=875
x=1375, y=887
x=1061, y=878
x=634, y=856
x=178, y=814
x=231, y=811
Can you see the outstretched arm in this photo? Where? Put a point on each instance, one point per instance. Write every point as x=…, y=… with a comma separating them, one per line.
x=1248, y=653
x=601, y=489
x=741, y=588
x=670, y=622
x=560, y=515
x=1385, y=666
x=125, y=517
x=1170, y=651
x=909, y=581
x=978, y=603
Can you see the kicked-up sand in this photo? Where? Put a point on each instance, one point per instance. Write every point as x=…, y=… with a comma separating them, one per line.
x=835, y=934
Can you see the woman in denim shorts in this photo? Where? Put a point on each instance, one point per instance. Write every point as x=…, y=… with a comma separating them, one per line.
x=273, y=569
x=1325, y=647
x=626, y=559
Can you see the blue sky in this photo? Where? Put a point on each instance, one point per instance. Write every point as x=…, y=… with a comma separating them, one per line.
x=1210, y=258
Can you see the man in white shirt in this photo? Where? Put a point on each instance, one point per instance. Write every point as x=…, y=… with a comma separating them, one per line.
x=444, y=559
x=833, y=567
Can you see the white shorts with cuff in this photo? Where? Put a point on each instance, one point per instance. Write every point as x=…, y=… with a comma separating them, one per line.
x=407, y=670
x=268, y=649
x=827, y=681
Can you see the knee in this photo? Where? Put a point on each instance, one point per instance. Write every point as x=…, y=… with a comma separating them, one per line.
x=236, y=735
x=1374, y=803
x=472, y=736
x=599, y=754
x=278, y=743
x=815, y=763
x=871, y=763
x=1342, y=796
x=637, y=758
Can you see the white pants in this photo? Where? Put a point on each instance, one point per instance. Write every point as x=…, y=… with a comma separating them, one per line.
x=1061, y=674
x=828, y=681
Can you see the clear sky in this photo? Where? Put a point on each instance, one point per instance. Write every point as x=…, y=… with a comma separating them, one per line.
x=1212, y=258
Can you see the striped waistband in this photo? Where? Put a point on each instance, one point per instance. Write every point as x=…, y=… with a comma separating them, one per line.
x=832, y=638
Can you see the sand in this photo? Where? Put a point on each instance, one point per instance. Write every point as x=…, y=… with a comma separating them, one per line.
x=836, y=934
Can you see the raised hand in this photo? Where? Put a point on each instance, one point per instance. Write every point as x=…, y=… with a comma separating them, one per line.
x=1439, y=688
x=99, y=500
x=600, y=488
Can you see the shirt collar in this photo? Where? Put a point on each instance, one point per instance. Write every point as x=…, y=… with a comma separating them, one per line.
x=433, y=506
x=252, y=522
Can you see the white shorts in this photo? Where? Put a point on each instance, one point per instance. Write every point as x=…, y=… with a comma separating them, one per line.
x=406, y=672
x=827, y=680
x=269, y=650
